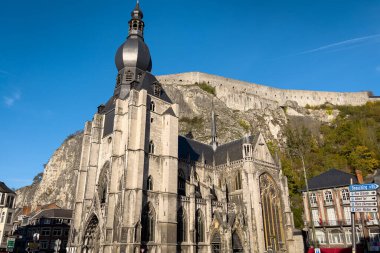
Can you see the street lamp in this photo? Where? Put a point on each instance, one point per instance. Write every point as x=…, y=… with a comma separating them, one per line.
x=308, y=199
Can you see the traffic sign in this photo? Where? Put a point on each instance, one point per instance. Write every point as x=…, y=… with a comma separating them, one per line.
x=363, y=193
x=363, y=204
x=11, y=244
x=364, y=198
x=364, y=209
x=363, y=187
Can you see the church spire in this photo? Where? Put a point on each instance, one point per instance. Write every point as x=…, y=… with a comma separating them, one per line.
x=214, y=141
x=136, y=25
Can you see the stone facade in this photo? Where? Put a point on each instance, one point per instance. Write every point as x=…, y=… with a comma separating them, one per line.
x=238, y=94
x=143, y=188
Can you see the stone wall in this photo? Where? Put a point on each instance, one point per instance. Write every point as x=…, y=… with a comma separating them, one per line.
x=244, y=96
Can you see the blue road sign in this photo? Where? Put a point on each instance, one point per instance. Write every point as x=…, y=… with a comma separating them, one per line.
x=363, y=187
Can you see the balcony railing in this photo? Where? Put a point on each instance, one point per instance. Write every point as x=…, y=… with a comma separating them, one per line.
x=328, y=202
x=332, y=223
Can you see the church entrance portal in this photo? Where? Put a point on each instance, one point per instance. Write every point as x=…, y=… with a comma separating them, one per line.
x=91, y=236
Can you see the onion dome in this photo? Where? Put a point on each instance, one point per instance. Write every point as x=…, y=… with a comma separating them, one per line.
x=134, y=52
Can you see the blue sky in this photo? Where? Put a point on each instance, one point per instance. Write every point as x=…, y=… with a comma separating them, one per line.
x=57, y=57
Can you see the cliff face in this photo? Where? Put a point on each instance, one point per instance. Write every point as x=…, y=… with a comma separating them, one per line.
x=58, y=183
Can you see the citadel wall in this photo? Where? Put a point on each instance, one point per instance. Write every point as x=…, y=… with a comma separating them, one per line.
x=243, y=95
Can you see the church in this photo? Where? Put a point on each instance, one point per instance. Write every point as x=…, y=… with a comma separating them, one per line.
x=142, y=187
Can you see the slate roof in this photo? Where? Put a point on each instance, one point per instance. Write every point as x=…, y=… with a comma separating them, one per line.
x=332, y=178
x=4, y=188
x=54, y=213
x=193, y=150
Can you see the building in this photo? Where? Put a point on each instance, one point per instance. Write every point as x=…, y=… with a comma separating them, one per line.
x=331, y=213
x=143, y=188
x=39, y=230
x=7, y=200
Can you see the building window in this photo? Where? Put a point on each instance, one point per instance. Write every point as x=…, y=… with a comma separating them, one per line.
x=272, y=213
x=215, y=243
x=128, y=76
x=91, y=236
x=335, y=237
x=328, y=198
x=321, y=237
x=103, y=196
x=236, y=243
x=9, y=218
x=345, y=196
x=374, y=235
x=181, y=226
x=347, y=215
x=8, y=201
x=149, y=183
x=152, y=106
x=148, y=220
x=151, y=147
x=315, y=217
x=66, y=232
x=2, y=217
x=45, y=221
x=238, y=181
x=157, y=89
x=331, y=217
x=57, y=232
x=313, y=199
x=45, y=231
x=181, y=182
x=44, y=244
x=199, y=226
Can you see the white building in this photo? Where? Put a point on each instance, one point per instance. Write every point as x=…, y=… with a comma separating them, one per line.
x=7, y=210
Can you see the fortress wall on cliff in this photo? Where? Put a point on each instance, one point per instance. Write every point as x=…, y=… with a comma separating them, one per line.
x=244, y=96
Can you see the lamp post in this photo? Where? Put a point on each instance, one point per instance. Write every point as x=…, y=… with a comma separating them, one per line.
x=308, y=200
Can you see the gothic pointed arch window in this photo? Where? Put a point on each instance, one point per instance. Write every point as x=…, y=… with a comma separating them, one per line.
x=103, y=184
x=181, y=225
x=216, y=243
x=199, y=226
x=91, y=236
x=236, y=243
x=272, y=212
x=238, y=181
x=149, y=183
x=151, y=147
x=181, y=182
x=148, y=223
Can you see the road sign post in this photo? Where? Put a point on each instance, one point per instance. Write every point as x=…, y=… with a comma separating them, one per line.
x=363, y=199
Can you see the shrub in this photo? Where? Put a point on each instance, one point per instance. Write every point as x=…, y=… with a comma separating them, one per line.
x=244, y=124
x=207, y=88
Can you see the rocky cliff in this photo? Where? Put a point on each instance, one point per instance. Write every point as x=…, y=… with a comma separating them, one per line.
x=58, y=182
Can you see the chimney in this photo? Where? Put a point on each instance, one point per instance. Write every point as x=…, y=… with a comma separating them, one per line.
x=359, y=176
